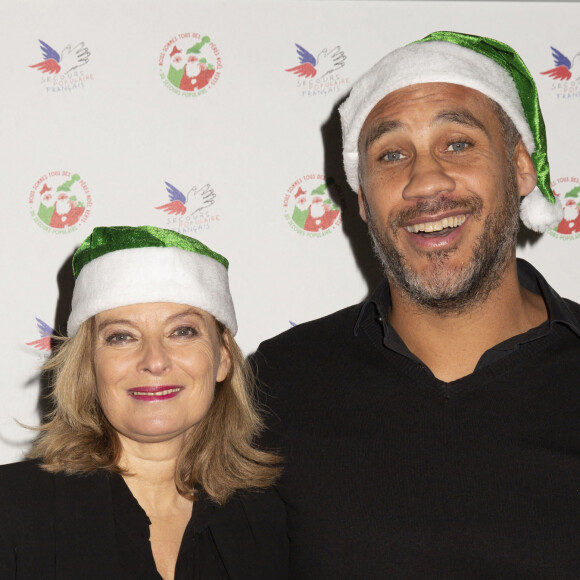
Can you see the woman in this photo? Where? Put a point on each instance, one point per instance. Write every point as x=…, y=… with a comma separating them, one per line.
x=145, y=465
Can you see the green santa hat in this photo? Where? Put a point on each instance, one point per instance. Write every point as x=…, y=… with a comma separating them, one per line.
x=122, y=265
x=483, y=64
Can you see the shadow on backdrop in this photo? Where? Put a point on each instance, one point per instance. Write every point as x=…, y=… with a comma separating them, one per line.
x=527, y=237
x=352, y=225
x=65, y=282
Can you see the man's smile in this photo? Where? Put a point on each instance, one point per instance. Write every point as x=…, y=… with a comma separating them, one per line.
x=438, y=225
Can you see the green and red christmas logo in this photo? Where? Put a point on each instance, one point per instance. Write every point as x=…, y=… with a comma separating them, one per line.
x=59, y=201
x=567, y=189
x=308, y=207
x=190, y=64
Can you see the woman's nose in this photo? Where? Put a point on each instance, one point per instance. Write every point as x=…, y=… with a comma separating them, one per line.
x=155, y=358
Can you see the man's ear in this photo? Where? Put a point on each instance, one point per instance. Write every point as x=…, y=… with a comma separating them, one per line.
x=361, y=205
x=526, y=176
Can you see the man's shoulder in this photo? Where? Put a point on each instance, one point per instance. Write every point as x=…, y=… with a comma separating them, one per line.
x=308, y=352
x=574, y=307
x=339, y=325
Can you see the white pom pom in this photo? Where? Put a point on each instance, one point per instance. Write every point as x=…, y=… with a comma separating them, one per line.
x=538, y=213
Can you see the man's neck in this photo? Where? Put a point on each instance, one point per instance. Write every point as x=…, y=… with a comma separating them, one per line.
x=451, y=344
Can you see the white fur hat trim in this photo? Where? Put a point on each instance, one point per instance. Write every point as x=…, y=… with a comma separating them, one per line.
x=426, y=62
x=151, y=274
x=440, y=61
x=538, y=214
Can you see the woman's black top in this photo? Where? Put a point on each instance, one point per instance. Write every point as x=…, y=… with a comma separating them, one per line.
x=198, y=552
x=60, y=527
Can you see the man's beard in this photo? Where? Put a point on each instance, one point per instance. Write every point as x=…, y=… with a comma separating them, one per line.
x=441, y=288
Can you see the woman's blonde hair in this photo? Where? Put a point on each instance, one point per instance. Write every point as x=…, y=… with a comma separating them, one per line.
x=219, y=454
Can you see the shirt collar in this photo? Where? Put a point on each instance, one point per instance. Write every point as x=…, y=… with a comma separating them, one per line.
x=378, y=303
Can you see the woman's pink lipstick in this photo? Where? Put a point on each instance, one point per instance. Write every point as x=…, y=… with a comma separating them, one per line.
x=155, y=393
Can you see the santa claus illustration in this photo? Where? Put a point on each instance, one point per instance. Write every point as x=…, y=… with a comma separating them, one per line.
x=570, y=224
x=67, y=211
x=321, y=214
x=301, y=205
x=177, y=63
x=197, y=73
x=46, y=207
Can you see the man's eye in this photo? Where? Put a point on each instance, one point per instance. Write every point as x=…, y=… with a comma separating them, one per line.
x=458, y=146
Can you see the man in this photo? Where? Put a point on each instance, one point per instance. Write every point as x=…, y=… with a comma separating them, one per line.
x=434, y=432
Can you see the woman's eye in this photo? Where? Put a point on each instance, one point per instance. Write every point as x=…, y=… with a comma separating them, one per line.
x=393, y=156
x=185, y=331
x=458, y=146
x=118, y=338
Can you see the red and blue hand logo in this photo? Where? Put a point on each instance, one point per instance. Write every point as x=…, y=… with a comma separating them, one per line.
x=563, y=69
x=179, y=203
x=44, y=342
x=326, y=63
x=67, y=60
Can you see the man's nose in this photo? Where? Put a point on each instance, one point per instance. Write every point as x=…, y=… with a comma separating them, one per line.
x=428, y=178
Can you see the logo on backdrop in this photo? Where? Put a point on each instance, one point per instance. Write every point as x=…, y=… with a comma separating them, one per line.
x=318, y=76
x=60, y=202
x=63, y=71
x=308, y=208
x=189, y=213
x=190, y=64
x=43, y=343
x=567, y=189
x=565, y=75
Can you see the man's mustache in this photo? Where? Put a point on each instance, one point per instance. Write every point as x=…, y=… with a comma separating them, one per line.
x=471, y=204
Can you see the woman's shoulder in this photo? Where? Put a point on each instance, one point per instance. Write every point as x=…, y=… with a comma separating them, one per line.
x=25, y=467
x=22, y=475
x=26, y=485
x=263, y=507
x=26, y=495
x=250, y=533
x=31, y=470
x=259, y=510
x=53, y=524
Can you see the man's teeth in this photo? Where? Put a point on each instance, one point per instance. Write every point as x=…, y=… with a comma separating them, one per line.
x=155, y=394
x=427, y=227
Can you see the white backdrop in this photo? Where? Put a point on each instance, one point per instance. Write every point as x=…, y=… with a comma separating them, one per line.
x=96, y=129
